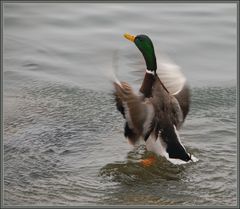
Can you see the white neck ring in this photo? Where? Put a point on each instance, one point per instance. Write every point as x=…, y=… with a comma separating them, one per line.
x=149, y=72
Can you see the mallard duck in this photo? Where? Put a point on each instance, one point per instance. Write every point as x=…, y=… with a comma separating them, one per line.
x=159, y=110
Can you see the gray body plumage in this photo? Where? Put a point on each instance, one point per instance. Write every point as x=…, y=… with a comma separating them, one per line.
x=155, y=114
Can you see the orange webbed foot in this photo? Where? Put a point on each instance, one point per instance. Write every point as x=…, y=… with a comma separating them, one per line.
x=148, y=161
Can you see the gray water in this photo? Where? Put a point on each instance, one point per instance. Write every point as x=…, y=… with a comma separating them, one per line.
x=63, y=137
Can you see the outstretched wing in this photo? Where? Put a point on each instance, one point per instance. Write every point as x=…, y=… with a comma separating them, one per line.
x=128, y=132
x=171, y=76
x=175, y=82
x=183, y=98
x=119, y=103
x=138, y=112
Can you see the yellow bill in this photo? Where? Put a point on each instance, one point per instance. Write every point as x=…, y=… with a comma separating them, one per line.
x=129, y=37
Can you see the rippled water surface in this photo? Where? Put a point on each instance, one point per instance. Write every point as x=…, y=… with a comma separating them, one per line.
x=63, y=137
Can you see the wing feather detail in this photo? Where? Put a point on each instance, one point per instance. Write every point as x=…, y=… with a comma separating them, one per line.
x=170, y=75
x=138, y=111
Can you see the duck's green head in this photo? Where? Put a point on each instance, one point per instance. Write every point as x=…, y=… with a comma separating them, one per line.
x=145, y=45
